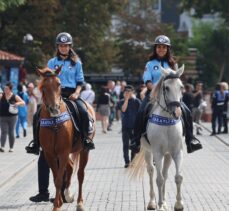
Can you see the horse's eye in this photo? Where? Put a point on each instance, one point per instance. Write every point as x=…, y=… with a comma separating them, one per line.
x=166, y=88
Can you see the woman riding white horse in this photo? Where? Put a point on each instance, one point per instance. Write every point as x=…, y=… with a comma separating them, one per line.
x=164, y=137
x=161, y=56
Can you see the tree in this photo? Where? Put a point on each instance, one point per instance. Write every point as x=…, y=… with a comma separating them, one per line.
x=138, y=26
x=87, y=21
x=5, y=4
x=205, y=7
x=212, y=44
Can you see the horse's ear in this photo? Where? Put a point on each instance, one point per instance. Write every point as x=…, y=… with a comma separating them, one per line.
x=164, y=71
x=57, y=71
x=39, y=71
x=180, y=70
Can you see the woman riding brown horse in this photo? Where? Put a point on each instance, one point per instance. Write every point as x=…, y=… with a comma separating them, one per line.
x=57, y=135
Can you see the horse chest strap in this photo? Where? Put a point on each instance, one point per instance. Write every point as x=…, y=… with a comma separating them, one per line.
x=55, y=121
x=164, y=121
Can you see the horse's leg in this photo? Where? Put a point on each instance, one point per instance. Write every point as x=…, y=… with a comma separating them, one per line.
x=52, y=162
x=178, y=159
x=82, y=164
x=149, y=166
x=167, y=162
x=69, y=170
x=160, y=179
x=58, y=181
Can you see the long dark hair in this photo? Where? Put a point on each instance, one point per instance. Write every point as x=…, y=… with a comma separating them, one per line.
x=72, y=56
x=168, y=57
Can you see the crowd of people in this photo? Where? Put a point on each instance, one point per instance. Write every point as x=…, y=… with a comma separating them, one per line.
x=114, y=100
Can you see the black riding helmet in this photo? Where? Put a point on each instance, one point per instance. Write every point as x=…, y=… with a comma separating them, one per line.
x=64, y=38
x=162, y=40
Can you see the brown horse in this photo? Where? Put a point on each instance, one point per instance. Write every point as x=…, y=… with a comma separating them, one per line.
x=56, y=138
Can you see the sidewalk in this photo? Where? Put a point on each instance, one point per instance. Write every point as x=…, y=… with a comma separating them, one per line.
x=222, y=136
x=12, y=163
x=107, y=186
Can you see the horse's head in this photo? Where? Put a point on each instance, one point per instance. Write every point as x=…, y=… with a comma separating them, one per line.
x=172, y=89
x=51, y=90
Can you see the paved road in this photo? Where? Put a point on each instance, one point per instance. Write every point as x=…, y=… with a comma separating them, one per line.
x=107, y=186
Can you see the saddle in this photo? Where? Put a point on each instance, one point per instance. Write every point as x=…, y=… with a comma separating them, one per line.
x=74, y=113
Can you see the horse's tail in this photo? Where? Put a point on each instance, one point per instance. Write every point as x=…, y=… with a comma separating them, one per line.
x=137, y=165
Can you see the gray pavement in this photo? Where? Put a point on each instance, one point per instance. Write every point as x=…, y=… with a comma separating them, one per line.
x=107, y=185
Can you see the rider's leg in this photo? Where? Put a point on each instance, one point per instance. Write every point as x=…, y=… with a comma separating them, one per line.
x=192, y=142
x=43, y=180
x=140, y=123
x=34, y=145
x=86, y=127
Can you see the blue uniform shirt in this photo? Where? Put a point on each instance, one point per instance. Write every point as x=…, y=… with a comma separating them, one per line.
x=152, y=71
x=70, y=75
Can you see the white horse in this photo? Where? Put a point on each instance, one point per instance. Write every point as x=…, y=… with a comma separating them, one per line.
x=165, y=135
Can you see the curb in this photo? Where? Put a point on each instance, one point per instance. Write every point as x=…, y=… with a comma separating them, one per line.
x=9, y=179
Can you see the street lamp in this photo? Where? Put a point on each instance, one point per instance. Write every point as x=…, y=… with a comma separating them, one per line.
x=27, y=38
x=27, y=41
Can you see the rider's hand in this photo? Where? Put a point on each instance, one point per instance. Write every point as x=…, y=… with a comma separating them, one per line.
x=74, y=96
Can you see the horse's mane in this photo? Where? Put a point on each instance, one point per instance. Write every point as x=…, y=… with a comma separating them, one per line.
x=155, y=91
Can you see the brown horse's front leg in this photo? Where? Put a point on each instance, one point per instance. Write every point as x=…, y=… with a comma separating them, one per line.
x=82, y=164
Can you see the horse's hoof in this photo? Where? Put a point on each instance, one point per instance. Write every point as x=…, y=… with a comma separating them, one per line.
x=151, y=206
x=56, y=209
x=68, y=196
x=79, y=207
x=178, y=209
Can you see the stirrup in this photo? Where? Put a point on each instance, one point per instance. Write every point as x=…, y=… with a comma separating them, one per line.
x=32, y=148
x=88, y=144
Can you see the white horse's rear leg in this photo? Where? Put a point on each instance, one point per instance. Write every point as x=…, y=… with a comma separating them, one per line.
x=150, y=169
x=178, y=179
x=167, y=163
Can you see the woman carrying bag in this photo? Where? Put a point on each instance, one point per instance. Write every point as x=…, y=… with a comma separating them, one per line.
x=8, y=115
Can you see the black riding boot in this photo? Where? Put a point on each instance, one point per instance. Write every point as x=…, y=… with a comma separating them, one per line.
x=86, y=125
x=34, y=146
x=192, y=142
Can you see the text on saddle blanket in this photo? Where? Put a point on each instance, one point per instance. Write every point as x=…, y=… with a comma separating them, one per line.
x=163, y=121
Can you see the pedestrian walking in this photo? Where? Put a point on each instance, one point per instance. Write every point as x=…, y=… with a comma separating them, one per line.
x=113, y=103
x=161, y=56
x=22, y=112
x=88, y=94
x=225, y=106
x=32, y=105
x=129, y=107
x=197, y=105
x=103, y=108
x=8, y=115
x=218, y=100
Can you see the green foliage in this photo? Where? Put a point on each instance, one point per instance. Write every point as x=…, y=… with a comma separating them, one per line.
x=136, y=33
x=205, y=7
x=87, y=21
x=5, y=4
x=212, y=44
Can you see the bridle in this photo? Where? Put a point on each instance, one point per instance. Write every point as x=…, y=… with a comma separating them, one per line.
x=168, y=104
x=49, y=108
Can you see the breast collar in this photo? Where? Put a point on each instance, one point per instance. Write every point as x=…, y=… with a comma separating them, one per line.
x=163, y=121
x=55, y=121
